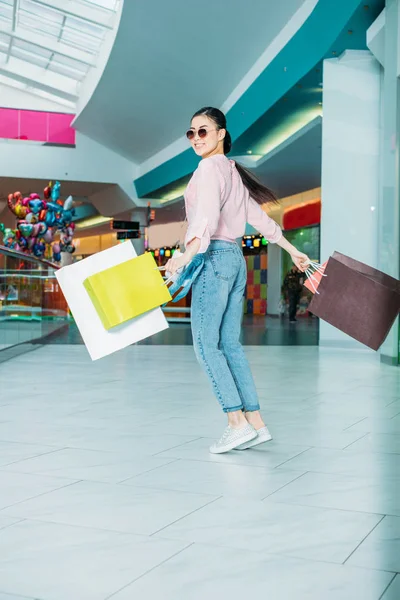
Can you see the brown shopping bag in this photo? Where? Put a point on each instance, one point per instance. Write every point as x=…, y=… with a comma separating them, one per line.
x=357, y=299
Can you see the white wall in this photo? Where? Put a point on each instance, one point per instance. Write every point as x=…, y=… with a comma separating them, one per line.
x=350, y=163
x=11, y=97
x=89, y=161
x=95, y=73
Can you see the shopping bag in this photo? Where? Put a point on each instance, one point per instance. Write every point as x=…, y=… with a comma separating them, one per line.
x=357, y=299
x=99, y=341
x=127, y=290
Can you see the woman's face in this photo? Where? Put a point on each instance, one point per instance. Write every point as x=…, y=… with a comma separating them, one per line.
x=212, y=143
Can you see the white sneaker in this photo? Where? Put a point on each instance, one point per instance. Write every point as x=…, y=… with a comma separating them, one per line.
x=232, y=438
x=263, y=435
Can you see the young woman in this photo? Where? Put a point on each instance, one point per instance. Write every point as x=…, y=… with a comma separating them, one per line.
x=220, y=198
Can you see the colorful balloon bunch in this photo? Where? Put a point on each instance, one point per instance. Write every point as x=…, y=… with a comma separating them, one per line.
x=39, y=221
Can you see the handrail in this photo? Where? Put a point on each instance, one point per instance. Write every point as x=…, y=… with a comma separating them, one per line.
x=16, y=254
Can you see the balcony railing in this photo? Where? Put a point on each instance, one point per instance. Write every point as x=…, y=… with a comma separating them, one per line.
x=32, y=305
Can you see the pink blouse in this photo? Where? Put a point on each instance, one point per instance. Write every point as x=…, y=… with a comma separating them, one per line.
x=218, y=205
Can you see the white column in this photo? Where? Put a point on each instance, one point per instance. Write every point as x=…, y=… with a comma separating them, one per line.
x=350, y=164
x=389, y=198
x=274, y=278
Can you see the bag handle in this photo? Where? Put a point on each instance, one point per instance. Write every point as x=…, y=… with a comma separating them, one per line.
x=313, y=268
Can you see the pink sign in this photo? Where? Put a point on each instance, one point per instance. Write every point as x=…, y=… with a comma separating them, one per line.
x=38, y=126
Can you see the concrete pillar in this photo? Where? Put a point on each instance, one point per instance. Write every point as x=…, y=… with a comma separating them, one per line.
x=350, y=164
x=389, y=197
x=274, y=278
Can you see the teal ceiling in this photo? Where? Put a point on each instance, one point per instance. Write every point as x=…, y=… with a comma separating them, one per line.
x=291, y=83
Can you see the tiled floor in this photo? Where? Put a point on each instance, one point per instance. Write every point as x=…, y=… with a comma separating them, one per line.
x=107, y=489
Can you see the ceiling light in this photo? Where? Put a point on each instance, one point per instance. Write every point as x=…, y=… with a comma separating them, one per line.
x=249, y=151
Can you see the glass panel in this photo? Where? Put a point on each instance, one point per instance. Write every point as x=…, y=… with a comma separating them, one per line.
x=45, y=19
x=31, y=302
x=28, y=47
x=72, y=73
x=107, y=4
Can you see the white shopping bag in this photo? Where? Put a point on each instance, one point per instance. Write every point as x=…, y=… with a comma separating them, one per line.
x=98, y=340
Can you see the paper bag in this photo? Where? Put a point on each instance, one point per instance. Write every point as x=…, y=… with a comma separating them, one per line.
x=100, y=342
x=127, y=290
x=357, y=299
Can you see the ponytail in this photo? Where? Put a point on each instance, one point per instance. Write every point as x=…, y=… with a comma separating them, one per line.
x=257, y=190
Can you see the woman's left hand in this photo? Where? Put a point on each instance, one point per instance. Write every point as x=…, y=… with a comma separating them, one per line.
x=300, y=260
x=174, y=264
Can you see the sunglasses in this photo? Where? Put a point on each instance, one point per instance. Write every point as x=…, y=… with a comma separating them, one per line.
x=202, y=133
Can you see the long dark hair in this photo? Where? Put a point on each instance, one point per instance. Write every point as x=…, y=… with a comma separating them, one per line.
x=257, y=190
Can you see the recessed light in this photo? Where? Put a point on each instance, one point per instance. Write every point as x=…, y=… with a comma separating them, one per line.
x=249, y=151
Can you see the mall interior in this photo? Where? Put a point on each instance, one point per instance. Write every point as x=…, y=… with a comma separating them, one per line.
x=107, y=486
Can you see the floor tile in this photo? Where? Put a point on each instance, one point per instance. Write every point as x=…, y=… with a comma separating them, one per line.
x=343, y=492
x=17, y=487
x=216, y=479
x=88, y=465
x=348, y=462
x=268, y=455
x=114, y=507
x=7, y=521
x=201, y=572
x=300, y=531
x=393, y=591
x=381, y=443
x=12, y=452
x=371, y=425
x=381, y=549
x=59, y=562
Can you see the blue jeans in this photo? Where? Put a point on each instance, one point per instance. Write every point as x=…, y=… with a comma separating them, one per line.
x=217, y=309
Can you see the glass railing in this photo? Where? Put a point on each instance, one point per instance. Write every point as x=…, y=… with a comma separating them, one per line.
x=32, y=305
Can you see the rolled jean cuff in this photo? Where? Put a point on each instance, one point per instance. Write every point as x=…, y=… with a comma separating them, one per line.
x=232, y=409
x=252, y=409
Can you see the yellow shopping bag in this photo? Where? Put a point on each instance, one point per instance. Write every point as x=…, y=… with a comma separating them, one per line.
x=127, y=290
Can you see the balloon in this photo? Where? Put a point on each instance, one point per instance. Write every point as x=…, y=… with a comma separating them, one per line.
x=14, y=200
x=50, y=218
x=48, y=236
x=31, y=242
x=36, y=206
x=25, y=229
x=55, y=191
x=31, y=218
x=36, y=230
x=53, y=206
x=68, y=204
x=38, y=222
x=39, y=249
